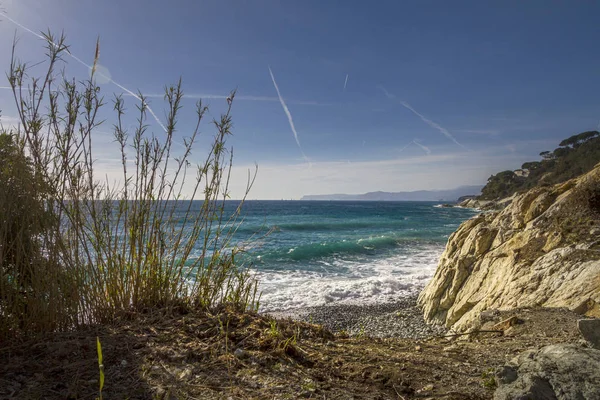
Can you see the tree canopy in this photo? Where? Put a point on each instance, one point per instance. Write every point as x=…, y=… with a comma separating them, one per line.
x=579, y=139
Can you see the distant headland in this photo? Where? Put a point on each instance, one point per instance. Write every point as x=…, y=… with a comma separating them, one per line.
x=419, y=195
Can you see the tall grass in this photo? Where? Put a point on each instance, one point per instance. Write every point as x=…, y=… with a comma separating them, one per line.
x=77, y=250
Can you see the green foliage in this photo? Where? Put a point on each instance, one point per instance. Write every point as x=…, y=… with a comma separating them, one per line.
x=34, y=293
x=580, y=138
x=21, y=203
x=531, y=165
x=273, y=329
x=575, y=156
x=499, y=185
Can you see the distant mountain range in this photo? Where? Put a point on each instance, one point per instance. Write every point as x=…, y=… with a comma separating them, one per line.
x=450, y=195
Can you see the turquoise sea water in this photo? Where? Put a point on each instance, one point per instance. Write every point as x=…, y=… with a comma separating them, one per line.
x=325, y=252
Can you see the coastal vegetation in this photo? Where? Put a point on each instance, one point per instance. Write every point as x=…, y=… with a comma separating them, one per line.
x=77, y=249
x=575, y=155
x=102, y=295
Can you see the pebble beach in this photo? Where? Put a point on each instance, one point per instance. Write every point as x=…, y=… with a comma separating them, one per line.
x=399, y=319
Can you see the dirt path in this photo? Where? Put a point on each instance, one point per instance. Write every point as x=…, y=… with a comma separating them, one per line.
x=228, y=355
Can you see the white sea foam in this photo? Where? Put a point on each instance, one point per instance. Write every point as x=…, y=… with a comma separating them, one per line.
x=378, y=281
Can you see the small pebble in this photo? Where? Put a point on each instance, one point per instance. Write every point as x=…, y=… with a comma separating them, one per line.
x=428, y=388
x=239, y=353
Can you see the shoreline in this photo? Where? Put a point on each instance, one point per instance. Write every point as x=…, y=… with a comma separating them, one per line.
x=398, y=319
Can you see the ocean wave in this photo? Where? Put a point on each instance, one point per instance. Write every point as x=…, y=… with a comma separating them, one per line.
x=384, y=280
x=369, y=246
x=328, y=226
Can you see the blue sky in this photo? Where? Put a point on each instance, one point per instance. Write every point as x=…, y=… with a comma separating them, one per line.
x=439, y=94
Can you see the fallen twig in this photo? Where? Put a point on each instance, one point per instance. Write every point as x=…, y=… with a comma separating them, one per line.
x=470, y=333
x=399, y=395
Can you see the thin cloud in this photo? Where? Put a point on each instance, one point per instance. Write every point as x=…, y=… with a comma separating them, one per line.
x=431, y=123
x=9, y=118
x=289, y=115
x=491, y=132
x=9, y=122
x=346, y=82
x=5, y=87
x=109, y=79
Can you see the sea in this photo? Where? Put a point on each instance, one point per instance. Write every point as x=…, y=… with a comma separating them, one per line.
x=314, y=253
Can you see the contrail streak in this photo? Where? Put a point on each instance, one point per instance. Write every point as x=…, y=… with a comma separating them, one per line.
x=404, y=148
x=238, y=97
x=346, y=82
x=424, y=148
x=90, y=67
x=289, y=115
x=387, y=94
x=429, y=122
x=432, y=124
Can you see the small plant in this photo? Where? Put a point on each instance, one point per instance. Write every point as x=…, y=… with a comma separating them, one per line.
x=100, y=367
x=488, y=379
x=290, y=342
x=308, y=386
x=273, y=329
x=342, y=333
x=361, y=331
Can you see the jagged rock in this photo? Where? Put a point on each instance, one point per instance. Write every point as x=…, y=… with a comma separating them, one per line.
x=556, y=372
x=590, y=330
x=589, y=308
x=537, y=251
x=474, y=203
x=507, y=323
x=488, y=315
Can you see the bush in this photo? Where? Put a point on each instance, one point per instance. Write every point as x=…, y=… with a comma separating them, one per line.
x=113, y=248
x=588, y=198
x=33, y=295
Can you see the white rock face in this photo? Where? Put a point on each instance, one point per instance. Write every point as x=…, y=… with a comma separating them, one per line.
x=540, y=250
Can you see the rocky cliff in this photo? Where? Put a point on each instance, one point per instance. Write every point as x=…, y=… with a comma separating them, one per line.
x=542, y=249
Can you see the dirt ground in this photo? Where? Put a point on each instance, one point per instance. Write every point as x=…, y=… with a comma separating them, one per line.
x=228, y=355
